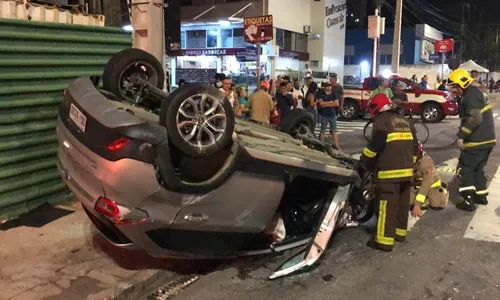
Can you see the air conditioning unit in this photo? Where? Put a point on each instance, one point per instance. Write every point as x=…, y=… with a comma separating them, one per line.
x=307, y=29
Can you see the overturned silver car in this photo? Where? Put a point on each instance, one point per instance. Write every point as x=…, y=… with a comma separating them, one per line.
x=179, y=175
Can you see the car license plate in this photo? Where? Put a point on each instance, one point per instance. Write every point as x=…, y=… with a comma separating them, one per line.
x=78, y=117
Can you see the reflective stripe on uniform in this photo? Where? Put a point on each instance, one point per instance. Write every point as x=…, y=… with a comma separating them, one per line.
x=476, y=144
x=414, y=159
x=399, y=136
x=369, y=153
x=487, y=107
x=482, y=192
x=380, y=237
x=401, y=232
x=466, y=130
x=400, y=173
x=436, y=184
x=467, y=188
x=420, y=198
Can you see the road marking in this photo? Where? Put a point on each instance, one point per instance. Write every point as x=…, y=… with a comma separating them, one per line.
x=495, y=115
x=485, y=225
x=449, y=166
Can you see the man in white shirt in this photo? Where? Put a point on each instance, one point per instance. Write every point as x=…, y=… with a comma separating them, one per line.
x=297, y=93
x=226, y=89
x=307, y=71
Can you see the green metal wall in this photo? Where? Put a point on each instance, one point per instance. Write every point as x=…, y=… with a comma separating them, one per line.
x=37, y=61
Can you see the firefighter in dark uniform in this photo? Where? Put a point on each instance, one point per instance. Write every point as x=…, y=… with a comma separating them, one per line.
x=390, y=154
x=476, y=138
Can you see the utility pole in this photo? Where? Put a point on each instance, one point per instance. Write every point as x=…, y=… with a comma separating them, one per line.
x=462, y=35
x=396, y=42
x=376, y=44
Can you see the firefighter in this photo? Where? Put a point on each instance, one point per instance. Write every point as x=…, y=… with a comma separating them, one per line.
x=427, y=190
x=390, y=155
x=475, y=138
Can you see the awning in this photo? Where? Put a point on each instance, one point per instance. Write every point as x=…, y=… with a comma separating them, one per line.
x=472, y=65
x=218, y=12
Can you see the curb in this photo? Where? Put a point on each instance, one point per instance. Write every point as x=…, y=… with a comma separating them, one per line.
x=144, y=284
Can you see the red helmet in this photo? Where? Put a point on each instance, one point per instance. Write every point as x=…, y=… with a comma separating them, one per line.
x=379, y=103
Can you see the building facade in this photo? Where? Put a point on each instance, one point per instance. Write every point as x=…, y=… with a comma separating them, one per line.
x=212, y=39
x=417, y=48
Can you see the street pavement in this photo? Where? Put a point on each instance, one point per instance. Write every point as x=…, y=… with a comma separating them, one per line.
x=449, y=254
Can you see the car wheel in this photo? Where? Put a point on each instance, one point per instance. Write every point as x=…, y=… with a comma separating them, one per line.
x=431, y=113
x=130, y=62
x=351, y=110
x=199, y=120
x=294, y=122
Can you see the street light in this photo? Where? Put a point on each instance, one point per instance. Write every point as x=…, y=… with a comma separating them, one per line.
x=364, y=65
x=127, y=28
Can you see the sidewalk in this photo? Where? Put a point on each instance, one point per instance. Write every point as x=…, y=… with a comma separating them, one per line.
x=64, y=259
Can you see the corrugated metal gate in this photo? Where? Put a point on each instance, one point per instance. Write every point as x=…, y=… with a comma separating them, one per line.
x=37, y=61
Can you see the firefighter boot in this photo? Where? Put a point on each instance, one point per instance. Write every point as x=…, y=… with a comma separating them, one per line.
x=468, y=201
x=481, y=199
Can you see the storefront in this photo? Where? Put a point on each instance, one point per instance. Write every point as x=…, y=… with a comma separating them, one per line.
x=193, y=65
x=290, y=61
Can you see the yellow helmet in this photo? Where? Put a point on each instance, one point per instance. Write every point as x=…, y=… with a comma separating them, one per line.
x=461, y=78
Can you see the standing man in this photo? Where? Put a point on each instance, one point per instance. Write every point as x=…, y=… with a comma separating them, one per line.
x=338, y=90
x=297, y=94
x=261, y=104
x=400, y=98
x=285, y=101
x=425, y=82
x=475, y=77
x=307, y=72
x=305, y=88
x=476, y=139
x=383, y=88
x=226, y=89
x=328, y=103
x=390, y=155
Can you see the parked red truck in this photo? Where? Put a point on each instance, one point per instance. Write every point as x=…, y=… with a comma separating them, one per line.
x=432, y=105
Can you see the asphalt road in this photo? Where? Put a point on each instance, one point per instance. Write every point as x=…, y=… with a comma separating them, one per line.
x=449, y=254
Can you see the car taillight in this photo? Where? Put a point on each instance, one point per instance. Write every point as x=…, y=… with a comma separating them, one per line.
x=119, y=214
x=118, y=144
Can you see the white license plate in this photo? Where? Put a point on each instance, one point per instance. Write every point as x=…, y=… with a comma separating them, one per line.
x=78, y=117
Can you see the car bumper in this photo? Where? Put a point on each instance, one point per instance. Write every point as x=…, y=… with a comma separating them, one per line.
x=168, y=232
x=83, y=173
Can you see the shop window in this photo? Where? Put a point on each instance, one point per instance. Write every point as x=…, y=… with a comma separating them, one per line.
x=212, y=35
x=238, y=38
x=226, y=36
x=314, y=63
x=280, y=38
x=300, y=42
x=288, y=40
x=183, y=40
x=196, y=39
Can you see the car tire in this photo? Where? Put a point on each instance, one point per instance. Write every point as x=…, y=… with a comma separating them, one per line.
x=431, y=113
x=127, y=62
x=297, y=117
x=201, y=135
x=351, y=110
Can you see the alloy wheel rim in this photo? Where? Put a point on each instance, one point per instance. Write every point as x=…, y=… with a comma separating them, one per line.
x=201, y=120
x=430, y=113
